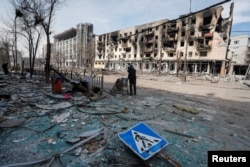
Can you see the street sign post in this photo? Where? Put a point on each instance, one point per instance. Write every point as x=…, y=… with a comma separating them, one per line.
x=143, y=141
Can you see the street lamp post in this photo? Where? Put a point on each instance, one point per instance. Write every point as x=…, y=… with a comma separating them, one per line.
x=18, y=14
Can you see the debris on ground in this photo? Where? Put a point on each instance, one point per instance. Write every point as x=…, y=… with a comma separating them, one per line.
x=39, y=127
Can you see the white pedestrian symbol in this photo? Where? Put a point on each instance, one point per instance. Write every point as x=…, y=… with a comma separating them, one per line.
x=143, y=141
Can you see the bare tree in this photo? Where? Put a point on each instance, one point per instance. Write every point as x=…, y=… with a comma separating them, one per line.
x=7, y=44
x=41, y=12
x=33, y=36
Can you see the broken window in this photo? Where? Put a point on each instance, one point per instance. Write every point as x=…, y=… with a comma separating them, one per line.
x=191, y=43
x=236, y=42
x=182, y=43
x=184, y=22
x=192, y=32
x=190, y=54
x=183, y=33
x=127, y=49
x=193, y=21
x=181, y=54
x=207, y=20
x=203, y=53
x=171, y=54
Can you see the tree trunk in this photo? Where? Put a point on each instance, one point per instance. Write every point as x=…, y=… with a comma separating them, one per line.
x=47, y=64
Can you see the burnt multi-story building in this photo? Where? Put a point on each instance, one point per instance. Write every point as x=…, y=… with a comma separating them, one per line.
x=74, y=47
x=196, y=42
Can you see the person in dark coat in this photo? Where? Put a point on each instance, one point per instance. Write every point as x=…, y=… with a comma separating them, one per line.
x=132, y=79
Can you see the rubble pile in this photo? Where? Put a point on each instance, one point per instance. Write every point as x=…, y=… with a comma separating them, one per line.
x=39, y=127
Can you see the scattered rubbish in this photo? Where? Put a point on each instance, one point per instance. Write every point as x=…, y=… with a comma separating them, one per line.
x=168, y=159
x=62, y=133
x=82, y=142
x=78, y=151
x=58, y=106
x=189, y=110
x=178, y=133
x=97, y=97
x=74, y=140
x=16, y=141
x=125, y=110
x=2, y=84
x=12, y=123
x=215, y=80
x=65, y=96
x=5, y=95
x=31, y=99
x=61, y=118
x=90, y=133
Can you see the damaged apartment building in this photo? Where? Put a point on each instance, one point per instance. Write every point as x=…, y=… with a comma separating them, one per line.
x=74, y=47
x=197, y=42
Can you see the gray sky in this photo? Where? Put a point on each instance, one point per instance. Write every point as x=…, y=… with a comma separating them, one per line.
x=112, y=15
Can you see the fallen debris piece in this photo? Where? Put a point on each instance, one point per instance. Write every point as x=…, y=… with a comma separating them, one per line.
x=16, y=141
x=55, y=106
x=12, y=123
x=189, y=110
x=84, y=135
x=178, y=133
x=2, y=84
x=5, y=95
x=97, y=97
x=65, y=96
x=78, y=151
x=74, y=140
x=82, y=142
x=90, y=133
x=125, y=110
x=61, y=118
x=170, y=160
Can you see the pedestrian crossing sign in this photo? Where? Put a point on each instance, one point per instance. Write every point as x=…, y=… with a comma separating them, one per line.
x=143, y=141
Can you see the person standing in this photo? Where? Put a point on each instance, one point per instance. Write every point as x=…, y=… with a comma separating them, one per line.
x=132, y=79
x=4, y=60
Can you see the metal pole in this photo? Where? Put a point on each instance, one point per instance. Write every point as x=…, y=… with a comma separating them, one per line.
x=15, y=61
x=185, y=62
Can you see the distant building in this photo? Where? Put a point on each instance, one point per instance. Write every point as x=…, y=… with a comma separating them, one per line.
x=53, y=57
x=239, y=54
x=73, y=46
x=37, y=64
x=197, y=42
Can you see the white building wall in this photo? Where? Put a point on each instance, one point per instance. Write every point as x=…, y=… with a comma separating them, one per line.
x=238, y=49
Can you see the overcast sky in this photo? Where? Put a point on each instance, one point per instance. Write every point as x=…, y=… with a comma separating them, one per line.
x=112, y=15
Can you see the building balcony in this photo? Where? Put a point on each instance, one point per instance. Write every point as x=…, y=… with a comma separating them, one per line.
x=169, y=49
x=151, y=33
x=203, y=47
x=100, y=48
x=208, y=35
x=149, y=41
x=150, y=50
x=172, y=30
